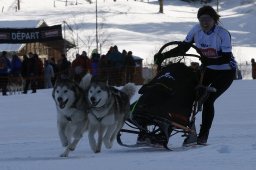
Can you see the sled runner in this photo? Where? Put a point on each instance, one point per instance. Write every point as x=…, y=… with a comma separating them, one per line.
x=168, y=103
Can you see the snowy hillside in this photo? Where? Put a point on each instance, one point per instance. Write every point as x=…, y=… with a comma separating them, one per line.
x=135, y=25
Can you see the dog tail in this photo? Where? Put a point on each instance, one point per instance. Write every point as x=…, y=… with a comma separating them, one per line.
x=129, y=89
x=85, y=82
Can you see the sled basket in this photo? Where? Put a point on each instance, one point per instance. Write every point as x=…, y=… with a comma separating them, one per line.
x=169, y=95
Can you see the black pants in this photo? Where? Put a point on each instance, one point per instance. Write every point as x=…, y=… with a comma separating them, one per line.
x=3, y=84
x=33, y=83
x=221, y=80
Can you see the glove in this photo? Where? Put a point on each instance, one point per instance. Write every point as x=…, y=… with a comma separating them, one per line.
x=231, y=59
x=204, y=61
x=233, y=64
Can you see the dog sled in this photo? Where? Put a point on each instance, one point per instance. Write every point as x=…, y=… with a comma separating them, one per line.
x=168, y=103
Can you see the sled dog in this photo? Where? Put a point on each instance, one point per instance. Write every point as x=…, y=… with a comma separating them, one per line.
x=72, y=112
x=109, y=107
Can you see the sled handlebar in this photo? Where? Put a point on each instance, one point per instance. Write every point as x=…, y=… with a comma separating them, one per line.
x=179, y=43
x=181, y=46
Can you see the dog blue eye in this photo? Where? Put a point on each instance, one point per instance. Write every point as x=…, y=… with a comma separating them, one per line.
x=57, y=91
x=65, y=91
x=98, y=91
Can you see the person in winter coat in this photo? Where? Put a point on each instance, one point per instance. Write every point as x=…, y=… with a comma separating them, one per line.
x=64, y=67
x=24, y=66
x=79, y=67
x=95, y=59
x=15, y=74
x=253, y=68
x=55, y=69
x=40, y=74
x=5, y=68
x=129, y=67
x=16, y=65
x=48, y=74
x=32, y=72
x=88, y=61
x=117, y=63
x=219, y=65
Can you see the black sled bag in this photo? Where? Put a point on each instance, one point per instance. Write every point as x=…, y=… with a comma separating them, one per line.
x=169, y=95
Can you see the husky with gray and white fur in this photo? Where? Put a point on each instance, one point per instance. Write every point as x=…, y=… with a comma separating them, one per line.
x=109, y=108
x=72, y=112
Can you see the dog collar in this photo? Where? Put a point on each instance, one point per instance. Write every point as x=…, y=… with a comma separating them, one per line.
x=97, y=108
x=98, y=118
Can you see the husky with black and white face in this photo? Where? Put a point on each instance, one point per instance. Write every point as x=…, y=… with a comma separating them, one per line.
x=109, y=108
x=72, y=112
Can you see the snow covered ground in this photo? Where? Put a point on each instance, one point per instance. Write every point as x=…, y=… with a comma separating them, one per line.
x=28, y=132
x=29, y=138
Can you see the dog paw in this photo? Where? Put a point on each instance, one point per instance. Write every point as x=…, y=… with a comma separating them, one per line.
x=64, y=155
x=97, y=151
x=71, y=147
x=64, y=143
x=108, y=145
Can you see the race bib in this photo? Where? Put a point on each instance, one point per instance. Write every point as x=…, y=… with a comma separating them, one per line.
x=209, y=52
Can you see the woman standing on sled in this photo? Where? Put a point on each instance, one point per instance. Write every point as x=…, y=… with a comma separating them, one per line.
x=214, y=43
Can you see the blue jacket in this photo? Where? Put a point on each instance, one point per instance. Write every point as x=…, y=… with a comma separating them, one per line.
x=16, y=65
x=5, y=66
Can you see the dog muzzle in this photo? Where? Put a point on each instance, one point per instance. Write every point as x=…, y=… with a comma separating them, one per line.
x=61, y=102
x=94, y=102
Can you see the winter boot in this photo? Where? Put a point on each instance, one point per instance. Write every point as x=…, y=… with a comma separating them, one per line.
x=191, y=139
x=141, y=139
x=159, y=140
x=202, y=137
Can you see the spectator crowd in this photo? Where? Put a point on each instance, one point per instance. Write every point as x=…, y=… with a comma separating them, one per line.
x=116, y=67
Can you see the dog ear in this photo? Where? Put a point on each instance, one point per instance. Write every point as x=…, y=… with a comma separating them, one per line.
x=85, y=82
